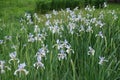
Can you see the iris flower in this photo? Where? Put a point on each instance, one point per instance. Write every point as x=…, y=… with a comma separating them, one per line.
x=102, y=59
x=13, y=57
x=21, y=69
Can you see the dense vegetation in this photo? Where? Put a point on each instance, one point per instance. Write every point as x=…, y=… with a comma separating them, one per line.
x=46, y=5
x=78, y=44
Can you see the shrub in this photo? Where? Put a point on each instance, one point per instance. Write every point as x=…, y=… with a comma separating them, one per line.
x=46, y=5
x=43, y=6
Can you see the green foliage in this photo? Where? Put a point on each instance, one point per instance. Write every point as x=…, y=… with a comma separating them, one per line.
x=46, y=5
x=77, y=66
x=43, y=6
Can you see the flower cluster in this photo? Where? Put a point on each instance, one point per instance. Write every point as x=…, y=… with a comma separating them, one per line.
x=63, y=48
x=39, y=55
x=38, y=37
x=63, y=26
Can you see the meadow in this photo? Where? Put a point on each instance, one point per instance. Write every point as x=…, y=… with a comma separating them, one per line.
x=78, y=44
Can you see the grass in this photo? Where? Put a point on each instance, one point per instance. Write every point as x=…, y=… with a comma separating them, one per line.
x=12, y=9
x=63, y=48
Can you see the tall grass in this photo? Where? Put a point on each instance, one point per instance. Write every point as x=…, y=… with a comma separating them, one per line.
x=63, y=45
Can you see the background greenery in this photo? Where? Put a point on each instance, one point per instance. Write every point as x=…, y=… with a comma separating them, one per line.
x=12, y=10
x=47, y=5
